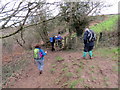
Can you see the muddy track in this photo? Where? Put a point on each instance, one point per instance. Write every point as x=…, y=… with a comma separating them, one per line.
x=101, y=69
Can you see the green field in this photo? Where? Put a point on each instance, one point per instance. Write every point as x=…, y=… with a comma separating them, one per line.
x=107, y=52
x=106, y=25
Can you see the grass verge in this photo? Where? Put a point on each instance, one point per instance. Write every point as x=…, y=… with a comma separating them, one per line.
x=11, y=68
x=106, y=25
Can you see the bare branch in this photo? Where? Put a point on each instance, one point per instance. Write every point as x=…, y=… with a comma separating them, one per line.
x=3, y=7
x=21, y=28
x=32, y=9
x=94, y=6
x=19, y=42
x=11, y=16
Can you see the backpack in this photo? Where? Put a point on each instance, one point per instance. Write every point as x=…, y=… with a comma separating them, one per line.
x=91, y=36
x=37, y=53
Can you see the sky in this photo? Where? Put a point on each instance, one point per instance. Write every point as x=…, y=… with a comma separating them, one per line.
x=111, y=10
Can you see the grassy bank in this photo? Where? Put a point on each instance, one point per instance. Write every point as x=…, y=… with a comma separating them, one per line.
x=108, y=52
x=12, y=68
x=106, y=25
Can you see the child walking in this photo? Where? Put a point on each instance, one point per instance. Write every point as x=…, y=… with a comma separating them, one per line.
x=39, y=57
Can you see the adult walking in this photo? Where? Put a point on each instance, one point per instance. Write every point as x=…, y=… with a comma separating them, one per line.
x=52, y=41
x=89, y=38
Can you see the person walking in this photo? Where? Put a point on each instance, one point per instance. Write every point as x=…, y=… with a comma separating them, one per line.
x=39, y=57
x=52, y=41
x=89, y=38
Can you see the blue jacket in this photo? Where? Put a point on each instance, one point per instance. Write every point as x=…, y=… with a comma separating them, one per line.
x=43, y=53
x=52, y=39
x=56, y=38
x=85, y=38
x=59, y=38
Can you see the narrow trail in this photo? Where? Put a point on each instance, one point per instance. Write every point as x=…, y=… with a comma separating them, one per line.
x=101, y=72
x=30, y=78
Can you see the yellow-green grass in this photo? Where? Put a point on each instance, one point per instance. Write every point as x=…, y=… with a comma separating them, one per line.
x=106, y=25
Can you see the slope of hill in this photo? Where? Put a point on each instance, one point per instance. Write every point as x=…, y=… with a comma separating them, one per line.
x=66, y=69
x=106, y=25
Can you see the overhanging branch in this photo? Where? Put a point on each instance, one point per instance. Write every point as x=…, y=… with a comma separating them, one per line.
x=27, y=27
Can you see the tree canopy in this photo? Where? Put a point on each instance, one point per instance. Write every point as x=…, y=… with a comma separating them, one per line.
x=24, y=14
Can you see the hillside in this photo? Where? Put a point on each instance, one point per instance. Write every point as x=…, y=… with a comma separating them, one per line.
x=107, y=25
x=66, y=68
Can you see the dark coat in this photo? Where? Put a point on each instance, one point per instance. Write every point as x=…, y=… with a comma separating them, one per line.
x=85, y=38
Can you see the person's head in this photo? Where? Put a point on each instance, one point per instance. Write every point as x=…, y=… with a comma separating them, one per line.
x=58, y=34
x=86, y=29
x=55, y=36
x=37, y=46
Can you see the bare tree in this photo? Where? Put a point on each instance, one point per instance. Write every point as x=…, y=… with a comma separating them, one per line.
x=35, y=13
x=19, y=16
x=23, y=16
x=77, y=15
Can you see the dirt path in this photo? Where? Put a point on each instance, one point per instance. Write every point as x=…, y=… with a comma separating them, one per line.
x=100, y=69
x=30, y=78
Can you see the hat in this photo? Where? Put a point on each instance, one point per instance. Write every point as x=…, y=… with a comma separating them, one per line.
x=86, y=29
